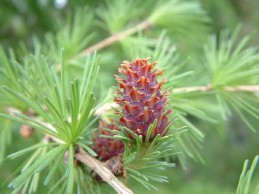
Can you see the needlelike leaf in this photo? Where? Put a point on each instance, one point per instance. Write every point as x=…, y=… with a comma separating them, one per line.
x=231, y=63
x=32, y=123
x=70, y=171
x=40, y=163
x=88, y=149
x=5, y=137
x=53, y=170
x=182, y=19
x=246, y=177
x=31, y=148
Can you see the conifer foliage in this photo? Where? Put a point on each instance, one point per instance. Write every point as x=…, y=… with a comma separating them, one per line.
x=68, y=126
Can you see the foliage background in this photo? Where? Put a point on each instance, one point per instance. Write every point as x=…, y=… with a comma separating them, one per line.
x=226, y=146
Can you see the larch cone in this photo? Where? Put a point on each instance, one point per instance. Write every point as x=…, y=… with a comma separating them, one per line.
x=141, y=98
x=106, y=148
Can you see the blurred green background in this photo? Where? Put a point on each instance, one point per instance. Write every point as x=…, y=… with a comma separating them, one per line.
x=226, y=146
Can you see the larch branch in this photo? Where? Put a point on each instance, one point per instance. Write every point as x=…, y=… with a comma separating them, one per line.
x=110, y=40
x=102, y=171
x=100, y=167
x=208, y=88
x=114, y=38
x=94, y=164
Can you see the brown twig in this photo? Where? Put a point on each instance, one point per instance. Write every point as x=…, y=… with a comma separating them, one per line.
x=193, y=89
x=115, y=37
x=208, y=88
x=102, y=171
x=243, y=88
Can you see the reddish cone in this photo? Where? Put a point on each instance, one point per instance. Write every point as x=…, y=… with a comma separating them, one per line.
x=105, y=148
x=141, y=99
